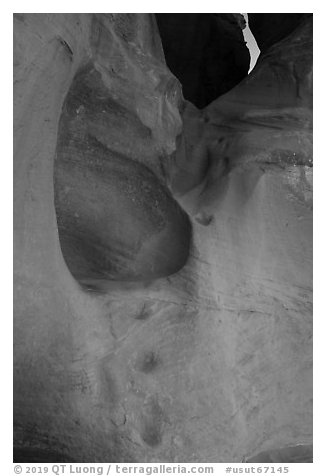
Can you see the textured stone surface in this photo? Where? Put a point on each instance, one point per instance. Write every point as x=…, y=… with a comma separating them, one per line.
x=292, y=454
x=116, y=219
x=209, y=363
x=266, y=119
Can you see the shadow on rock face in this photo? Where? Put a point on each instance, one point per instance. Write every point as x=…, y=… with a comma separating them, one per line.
x=32, y=455
x=116, y=219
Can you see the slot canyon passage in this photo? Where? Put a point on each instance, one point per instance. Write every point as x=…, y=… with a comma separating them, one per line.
x=162, y=238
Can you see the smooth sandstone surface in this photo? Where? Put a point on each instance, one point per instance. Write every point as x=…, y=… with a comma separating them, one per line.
x=179, y=327
x=116, y=219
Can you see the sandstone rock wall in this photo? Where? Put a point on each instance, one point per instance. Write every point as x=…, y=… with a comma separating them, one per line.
x=207, y=355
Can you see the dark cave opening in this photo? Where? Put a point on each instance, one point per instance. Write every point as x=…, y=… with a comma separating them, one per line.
x=210, y=53
x=205, y=51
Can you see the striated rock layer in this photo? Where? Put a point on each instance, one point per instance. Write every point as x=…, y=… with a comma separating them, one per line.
x=162, y=254
x=116, y=219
